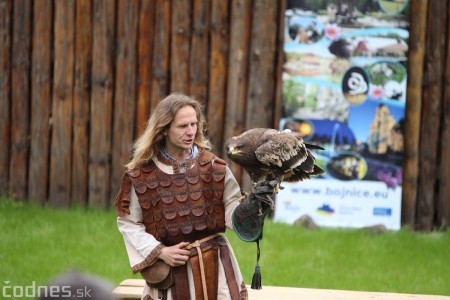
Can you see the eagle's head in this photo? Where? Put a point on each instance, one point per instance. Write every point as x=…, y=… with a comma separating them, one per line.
x=240, y=149
x=234, y=147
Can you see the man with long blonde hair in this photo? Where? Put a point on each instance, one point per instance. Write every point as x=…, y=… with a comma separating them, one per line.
x=152, y=140
x=174, y=204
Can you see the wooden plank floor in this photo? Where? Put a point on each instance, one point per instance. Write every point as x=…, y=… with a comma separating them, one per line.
x=132, y=289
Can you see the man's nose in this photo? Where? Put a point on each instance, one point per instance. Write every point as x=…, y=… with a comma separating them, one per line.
x=191, y=130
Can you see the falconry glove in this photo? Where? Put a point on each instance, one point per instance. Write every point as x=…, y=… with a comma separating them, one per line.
x=248, y=219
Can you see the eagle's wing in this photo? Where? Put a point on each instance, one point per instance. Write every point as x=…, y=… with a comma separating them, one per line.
x=283, y=150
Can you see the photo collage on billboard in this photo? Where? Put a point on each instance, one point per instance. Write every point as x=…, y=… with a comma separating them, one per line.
x=344, y=88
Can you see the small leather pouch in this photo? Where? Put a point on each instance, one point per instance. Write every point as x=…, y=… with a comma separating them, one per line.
x=159, y=275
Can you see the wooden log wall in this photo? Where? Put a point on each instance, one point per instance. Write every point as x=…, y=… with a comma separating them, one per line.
x=79, y=79
x=426, y=169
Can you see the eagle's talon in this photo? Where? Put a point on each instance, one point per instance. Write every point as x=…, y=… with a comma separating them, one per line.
x=278, y=187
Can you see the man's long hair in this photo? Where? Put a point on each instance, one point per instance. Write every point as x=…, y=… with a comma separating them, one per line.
x=149, y=143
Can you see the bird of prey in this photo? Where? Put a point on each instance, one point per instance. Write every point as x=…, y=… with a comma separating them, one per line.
x=269, y=154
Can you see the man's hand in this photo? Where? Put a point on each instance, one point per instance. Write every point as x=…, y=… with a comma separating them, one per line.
x=175, y=255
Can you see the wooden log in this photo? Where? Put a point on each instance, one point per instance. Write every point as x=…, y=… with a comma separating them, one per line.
x=20, y=98
x=5, y=85
x=279, y=64
x=132, y=289
x=179, y=50
x=62, y=106
x=41, y=101
x=431, y=106
x=413, y=111
x=125, y=88
x=262, y=59
x=81, y=101
x=103, y=49
x=240, y=27
x=145, y=53
x=261, y=88
x=220, y=32
x=443, y=212
x=161, y=54
x=198, y=64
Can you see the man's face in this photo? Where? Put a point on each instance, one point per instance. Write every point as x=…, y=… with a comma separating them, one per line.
x=183, y=128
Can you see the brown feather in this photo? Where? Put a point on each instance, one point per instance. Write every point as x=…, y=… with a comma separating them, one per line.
x=267, y=154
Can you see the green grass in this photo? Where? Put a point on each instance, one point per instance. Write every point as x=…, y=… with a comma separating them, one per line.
x=351, y=259
x=38, y=243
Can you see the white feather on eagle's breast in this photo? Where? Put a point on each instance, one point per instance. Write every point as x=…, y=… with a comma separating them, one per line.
x=268, y=154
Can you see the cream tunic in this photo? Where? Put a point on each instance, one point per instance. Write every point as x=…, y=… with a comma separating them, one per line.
x=140, y=244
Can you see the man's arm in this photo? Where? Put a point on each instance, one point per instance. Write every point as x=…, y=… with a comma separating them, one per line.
x=143, y=249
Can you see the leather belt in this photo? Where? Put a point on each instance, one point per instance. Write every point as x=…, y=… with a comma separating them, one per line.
x=203, y=250
x=197, y=245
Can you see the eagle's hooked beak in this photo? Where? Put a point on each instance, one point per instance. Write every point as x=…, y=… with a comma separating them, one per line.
x=231, y=151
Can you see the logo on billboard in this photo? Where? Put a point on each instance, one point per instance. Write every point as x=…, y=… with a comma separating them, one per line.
x=382, y=211
x=290, y=205
x=326, y=210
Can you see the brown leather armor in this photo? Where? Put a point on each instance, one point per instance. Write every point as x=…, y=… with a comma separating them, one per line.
x=178, y=207
x=186, y=207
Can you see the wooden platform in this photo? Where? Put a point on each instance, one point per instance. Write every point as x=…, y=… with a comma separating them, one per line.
x=132, y=289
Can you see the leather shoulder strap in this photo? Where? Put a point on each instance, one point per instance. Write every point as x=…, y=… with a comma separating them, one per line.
x=206, y=157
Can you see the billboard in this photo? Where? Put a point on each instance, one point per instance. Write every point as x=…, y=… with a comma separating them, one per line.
x=344, y=88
